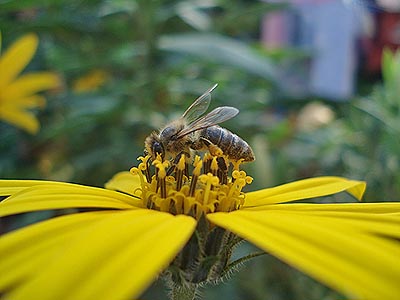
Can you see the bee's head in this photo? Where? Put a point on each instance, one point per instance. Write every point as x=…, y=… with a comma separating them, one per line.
x=154, y=146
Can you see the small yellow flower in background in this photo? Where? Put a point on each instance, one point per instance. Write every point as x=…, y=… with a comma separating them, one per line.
x=90, y=82
x=183, y=224
x=18, y=94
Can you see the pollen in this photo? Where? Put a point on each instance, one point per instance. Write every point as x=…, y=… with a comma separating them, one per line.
x=182, y=186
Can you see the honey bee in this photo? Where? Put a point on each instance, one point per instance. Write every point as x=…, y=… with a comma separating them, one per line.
x=197, y=132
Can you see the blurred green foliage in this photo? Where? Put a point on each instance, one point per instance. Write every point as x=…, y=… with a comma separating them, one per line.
x=362, y=142
x=158, y=56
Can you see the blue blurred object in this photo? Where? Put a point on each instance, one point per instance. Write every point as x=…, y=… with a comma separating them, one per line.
x=328, y=30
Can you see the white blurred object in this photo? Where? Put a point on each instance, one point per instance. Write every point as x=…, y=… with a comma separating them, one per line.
x=390, y=5
x=313, y=116
x=333, y=44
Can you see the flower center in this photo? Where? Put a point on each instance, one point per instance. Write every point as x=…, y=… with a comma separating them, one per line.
x=179, y=187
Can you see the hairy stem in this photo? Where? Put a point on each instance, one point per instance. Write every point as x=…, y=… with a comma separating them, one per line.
x=240, y=261
x=187, y=292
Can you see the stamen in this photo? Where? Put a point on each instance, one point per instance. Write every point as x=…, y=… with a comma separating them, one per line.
x=159, y=159
x=161, y=174
x=201, y=192
x=209, y=180
x=180, y=168
x=237, y=163
x=214, y=166
x=240, y=181
x=147, y=171
x=186, y=172
x=207, y=163
x=198, y=163
x=210, y=197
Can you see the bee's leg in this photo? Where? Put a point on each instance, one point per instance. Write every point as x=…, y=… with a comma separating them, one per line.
x=199, y=144
x=222, y=170
x=214, y=149
x=171, y=169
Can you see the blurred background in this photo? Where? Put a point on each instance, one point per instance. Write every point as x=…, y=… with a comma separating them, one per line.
x=317, y=83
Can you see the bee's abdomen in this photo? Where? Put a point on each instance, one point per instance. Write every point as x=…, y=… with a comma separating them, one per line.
x=232, y=145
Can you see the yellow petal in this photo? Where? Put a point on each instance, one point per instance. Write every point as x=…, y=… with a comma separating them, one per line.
x=372, y=208
x=57, y=196
x=16, y=57
x=358, y=264
x=305, y=189
x=29, y=84
x=378, y=218
x=25, y=251
x=60, y=201
x=124, y=182
x=19, y=118
x=11, y=187
x=90, y=81
x=116, y=258
x=34, y=101
x=42, y=187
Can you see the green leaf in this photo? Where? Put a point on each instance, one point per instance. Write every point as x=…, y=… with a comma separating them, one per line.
x=223, y=50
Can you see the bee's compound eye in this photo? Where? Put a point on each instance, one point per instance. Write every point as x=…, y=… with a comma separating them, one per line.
x=158, y=149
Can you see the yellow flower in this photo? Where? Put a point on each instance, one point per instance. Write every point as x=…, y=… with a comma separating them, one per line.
x=162, y=221
x=18, y=94
x=90, y=82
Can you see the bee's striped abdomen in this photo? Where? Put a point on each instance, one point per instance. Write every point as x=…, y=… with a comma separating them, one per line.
x=232, y=145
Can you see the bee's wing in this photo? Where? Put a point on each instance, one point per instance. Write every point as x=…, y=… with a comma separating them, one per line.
x=218, y=115
x=199, y=106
